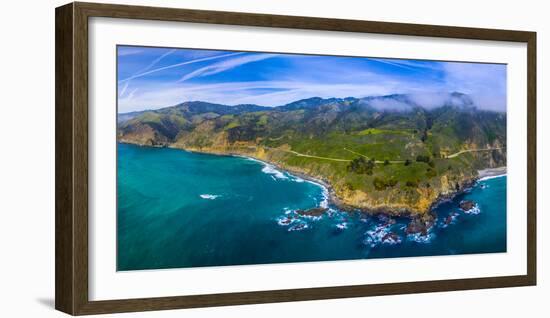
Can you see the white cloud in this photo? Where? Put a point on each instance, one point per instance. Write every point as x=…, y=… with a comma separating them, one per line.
x=226, y=65
x=132, y=93
x=485, y=83
x=123, y=51
x=279, y=93
x=401, y=65
x=389, y=104
x=123, y=90
x=177, y=65
x=155, y=61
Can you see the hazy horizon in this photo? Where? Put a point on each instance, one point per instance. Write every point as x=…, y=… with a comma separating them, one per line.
x=152, y=78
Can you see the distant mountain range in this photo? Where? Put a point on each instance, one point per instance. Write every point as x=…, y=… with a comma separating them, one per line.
x=391, y=152
x=394, y=102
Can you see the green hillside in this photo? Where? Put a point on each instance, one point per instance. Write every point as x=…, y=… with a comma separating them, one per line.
x=396, y=159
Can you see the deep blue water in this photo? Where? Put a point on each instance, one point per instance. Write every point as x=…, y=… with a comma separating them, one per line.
x=180, y=209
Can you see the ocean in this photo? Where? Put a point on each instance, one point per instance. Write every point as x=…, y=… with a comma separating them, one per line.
x=178, y=209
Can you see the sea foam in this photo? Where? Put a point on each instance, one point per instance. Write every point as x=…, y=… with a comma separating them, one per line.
x=419, y=238
x=210, y=196
x=324, y=202
x=492, y=177
x=298, y=179
x=342, y=226
x=269, y=169
x=475, y=210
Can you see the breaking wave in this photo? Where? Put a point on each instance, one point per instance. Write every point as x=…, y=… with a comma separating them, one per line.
x=210, y=196
x=475, y=210
x=492, y=177
x=269, y=169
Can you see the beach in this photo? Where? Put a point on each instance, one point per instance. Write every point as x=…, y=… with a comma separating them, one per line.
x=491, y=172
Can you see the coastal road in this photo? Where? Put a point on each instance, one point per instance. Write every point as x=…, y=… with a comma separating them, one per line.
x=317, y=157
x=376, y=161
x=454, y=155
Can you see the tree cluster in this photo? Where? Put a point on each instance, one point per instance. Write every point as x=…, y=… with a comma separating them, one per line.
x=361, y=166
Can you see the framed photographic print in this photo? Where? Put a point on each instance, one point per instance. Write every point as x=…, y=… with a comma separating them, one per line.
x=218, y=158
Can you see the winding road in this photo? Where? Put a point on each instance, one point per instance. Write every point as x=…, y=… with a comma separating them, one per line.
x=376, y=161
x=310, y=156
x=454, y=155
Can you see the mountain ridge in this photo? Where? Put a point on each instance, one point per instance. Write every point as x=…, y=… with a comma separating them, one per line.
x=302, y=103
x=380, y=153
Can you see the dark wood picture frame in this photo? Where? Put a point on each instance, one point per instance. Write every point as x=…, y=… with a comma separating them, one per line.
x=71, y=158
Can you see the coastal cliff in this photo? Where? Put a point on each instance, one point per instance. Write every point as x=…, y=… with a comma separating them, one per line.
x=408, y=200
x=391, y=162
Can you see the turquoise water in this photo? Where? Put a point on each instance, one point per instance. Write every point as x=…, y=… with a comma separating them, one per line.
x=179, y=209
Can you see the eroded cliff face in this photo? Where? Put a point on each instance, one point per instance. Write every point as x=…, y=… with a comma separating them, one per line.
x=142, y=135
x=395, y=162
x=413, y=201
x=397, y=200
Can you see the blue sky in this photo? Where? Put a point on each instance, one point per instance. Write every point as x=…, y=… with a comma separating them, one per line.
x=151, y=78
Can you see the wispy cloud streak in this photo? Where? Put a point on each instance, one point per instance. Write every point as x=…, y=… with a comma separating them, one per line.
x=129, y=51
x=394, y=64
x=131, y=94
x=123, y=90
x=226, y=65
x=411, y=64
x=274, y=79
x=156, y=61
x=265, y=93
x=177, y=65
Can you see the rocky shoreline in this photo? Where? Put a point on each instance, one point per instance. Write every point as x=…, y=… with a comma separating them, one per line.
x=419, y=223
